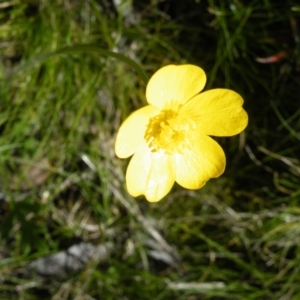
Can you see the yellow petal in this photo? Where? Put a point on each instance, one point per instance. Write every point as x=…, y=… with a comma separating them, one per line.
x=151, y=174
x=131, y=133
x=175, y=83
x=217, y=112
x=204, y=160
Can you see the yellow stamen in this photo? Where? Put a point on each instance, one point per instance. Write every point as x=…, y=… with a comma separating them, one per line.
x=168, y=131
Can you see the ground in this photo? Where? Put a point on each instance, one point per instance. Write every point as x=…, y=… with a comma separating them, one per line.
x=70, y=73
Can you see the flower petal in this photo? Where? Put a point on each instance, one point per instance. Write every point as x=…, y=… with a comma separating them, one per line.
x=175, y=83
x=151, y=174
x=204, y=160
x=131, y=133
x=217, y=112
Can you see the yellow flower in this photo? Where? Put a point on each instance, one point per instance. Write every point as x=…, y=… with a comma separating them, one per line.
x=169, y=138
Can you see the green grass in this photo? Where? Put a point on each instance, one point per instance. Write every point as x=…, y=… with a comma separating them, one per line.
x=70, y=73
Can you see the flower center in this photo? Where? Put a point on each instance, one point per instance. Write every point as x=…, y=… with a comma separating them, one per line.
x=169, y=131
